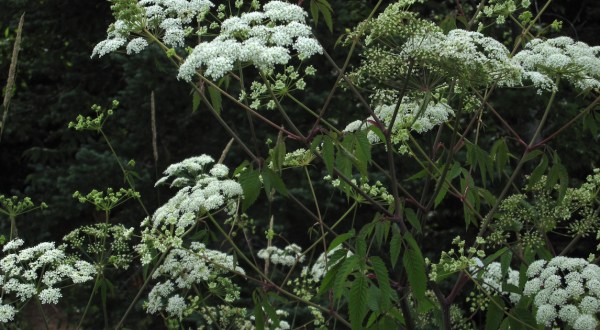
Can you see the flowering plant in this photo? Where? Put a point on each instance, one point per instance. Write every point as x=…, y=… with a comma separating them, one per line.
x=416, y=142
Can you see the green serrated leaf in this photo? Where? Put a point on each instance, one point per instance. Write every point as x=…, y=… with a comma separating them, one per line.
x=314, y=11
x=341, y=278
x=501, y=154
x=494, y=314
x=345, y=157
x=361, y=247
x=377, y=131
x=411, y=216
x=454, y=171
x=340, y=239
x=533, y=155
x=384, y=282
x=273, y=180
x=374, y=316
x=505, y=262
x=552, y=177
x=489, y=198
x=357, y=302
x=271, y=313
x=259, y=318
x=362, y=149
x=325, y=3
x=277, y=154
x=327, y=17
x=215, y=99
x=373, y=295
x=250, y=182
x=523, y=319
x=563, y=179
x=382, y=229
x=316, y=143
x=419, y=175
x=241, y=168
x=415, y=268
x=448, y=23
x=441, y=194
x=328, y=279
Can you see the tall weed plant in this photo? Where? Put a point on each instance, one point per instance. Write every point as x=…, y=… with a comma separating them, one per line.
x=419, y=140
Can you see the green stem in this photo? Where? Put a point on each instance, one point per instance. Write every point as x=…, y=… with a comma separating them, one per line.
x=287, y=119
x=39, y=305
x=127, y=178
x=342, y=70
x=141, y=290
x=267, y=280
x=13, y=228
x=321, y=224
x=531, y=24
x=89, y=303
x=314, y=114
x=513, y=177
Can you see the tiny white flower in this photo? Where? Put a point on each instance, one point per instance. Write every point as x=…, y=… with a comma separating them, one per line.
x=546, y=314
x=50, y=296
x=136, y=45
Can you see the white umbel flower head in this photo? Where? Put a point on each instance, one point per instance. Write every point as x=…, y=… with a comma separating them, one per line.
x=202, y=189
x=569, y=285
x=136, y=45
x=262, y=39
x=36, y=271
x=546, y=60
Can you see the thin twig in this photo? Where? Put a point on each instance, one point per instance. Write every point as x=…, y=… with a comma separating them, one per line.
x=153, y=125
x=10, y=83
x=225, y=151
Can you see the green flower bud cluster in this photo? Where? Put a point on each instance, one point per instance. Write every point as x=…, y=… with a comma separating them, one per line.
x=106, y=201
x=224, y=317
x=458, y=260
x=527, y=217
x=281, y=84
x=501, y=9
x=13, y=206
x=94, y=123
x=105, y=243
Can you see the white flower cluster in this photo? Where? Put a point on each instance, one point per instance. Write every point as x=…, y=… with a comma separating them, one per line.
x=492, y=280
x=413, y=115
x=288, y=257
x=204, y=189
x=184, y=268
x=36, y=271
x=545, y=60
x=183, y=10
x=567, y=289
x=259, y=38
x=168, y=15
x=466, y=54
